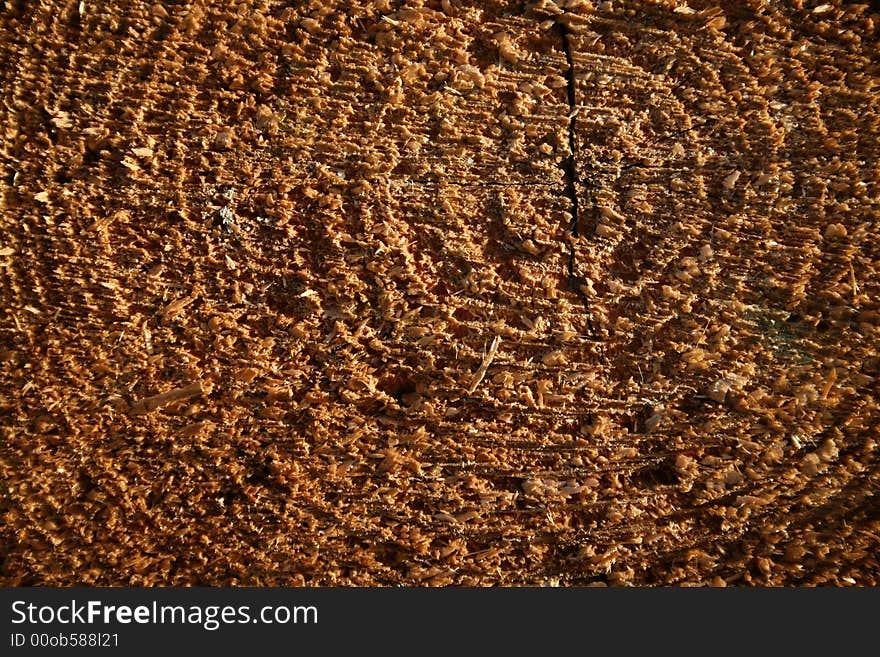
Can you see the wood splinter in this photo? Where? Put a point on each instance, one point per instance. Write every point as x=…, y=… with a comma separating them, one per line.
x=853, y=283
x=484, y=366
x=157, y=401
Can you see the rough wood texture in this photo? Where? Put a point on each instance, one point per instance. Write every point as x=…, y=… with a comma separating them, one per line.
x=432, y=293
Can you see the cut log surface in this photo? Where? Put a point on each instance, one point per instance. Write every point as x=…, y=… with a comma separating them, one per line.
x=432, y=293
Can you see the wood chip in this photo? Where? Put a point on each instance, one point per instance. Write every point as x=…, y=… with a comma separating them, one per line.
x=158, y=401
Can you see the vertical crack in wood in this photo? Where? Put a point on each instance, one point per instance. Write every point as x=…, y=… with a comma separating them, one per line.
x=572, y=181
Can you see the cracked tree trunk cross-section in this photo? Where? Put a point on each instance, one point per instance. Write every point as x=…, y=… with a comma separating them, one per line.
x=423, y=293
